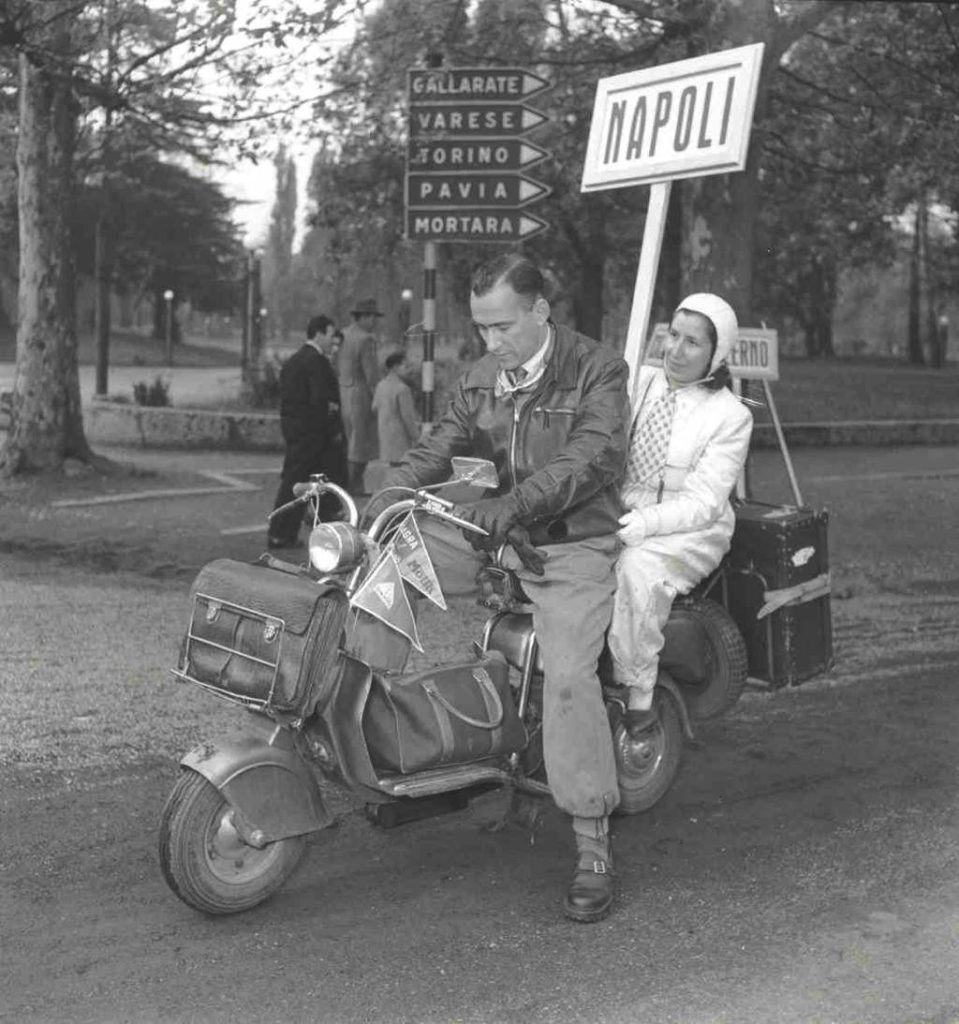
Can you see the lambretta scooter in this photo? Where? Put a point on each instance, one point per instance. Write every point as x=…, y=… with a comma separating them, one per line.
x=287, y=644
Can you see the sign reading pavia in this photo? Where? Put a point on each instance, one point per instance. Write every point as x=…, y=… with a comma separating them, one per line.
x=753, y=356
x=680, y=120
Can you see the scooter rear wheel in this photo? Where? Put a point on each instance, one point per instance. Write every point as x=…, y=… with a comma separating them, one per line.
x=726, y=665
x=647, y=765
x=204, y=860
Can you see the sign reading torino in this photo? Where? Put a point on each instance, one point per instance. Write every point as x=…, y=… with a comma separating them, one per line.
x=680, y=120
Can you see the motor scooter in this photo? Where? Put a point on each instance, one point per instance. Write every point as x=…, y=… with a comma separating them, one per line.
x=275, y=639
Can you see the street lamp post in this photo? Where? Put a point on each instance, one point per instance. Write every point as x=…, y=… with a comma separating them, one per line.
x=168, y=297
x=406, y=304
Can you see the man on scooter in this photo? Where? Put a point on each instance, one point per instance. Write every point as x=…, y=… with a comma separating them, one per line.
x=549, y=407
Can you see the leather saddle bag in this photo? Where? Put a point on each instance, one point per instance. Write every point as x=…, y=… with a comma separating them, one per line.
x=448, y=715
x=264, y=636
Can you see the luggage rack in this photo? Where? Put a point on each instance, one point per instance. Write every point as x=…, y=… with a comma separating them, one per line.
x=273, y=628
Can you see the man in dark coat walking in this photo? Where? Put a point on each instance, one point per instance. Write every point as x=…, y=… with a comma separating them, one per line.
x=311, y=423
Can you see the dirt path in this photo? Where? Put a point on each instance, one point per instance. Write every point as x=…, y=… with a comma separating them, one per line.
x=804, y=868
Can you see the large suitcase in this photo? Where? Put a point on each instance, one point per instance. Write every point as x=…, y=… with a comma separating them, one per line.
x=778, y=591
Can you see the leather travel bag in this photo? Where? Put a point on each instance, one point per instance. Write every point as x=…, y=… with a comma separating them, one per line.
x=448, y=715
x=264, y=636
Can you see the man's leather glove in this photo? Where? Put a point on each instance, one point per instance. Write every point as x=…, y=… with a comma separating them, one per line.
x=495, y=515
x=518, y=539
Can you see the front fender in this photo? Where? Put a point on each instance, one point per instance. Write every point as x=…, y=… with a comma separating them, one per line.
x=267, y=783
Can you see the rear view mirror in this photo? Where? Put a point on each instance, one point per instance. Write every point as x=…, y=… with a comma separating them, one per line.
x=478, y=472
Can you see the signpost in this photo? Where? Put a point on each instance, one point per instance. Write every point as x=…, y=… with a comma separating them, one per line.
x=680, y=120
x=463, y=181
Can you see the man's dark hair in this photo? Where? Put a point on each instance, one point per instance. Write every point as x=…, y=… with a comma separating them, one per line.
x=394, y=359
x=317, y=325
x=512, y=268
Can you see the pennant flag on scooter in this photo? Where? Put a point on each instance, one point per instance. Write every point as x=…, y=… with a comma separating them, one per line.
x=415, y=564
x=383, y=595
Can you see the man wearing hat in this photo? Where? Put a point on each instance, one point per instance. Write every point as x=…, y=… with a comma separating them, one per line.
x=358, y=372
x=688, y=445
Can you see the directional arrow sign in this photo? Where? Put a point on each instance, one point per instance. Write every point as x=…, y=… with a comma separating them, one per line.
x=474, y=155
x=472, y=119
x=451, y=191
x=474, y=225
x=463, y=85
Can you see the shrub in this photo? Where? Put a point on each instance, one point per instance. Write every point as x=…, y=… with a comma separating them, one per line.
x=261, y=388
x=155, y=394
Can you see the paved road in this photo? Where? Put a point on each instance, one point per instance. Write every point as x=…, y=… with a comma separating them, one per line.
x=804, y=870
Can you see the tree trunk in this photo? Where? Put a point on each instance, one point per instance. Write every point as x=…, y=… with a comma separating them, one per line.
x=46, y=417
x=588, y=299
x=103, y=276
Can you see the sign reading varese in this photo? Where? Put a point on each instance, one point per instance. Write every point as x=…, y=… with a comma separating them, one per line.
x=680, y=120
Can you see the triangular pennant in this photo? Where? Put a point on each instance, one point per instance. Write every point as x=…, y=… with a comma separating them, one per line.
x=415, y=564
x=383, y=596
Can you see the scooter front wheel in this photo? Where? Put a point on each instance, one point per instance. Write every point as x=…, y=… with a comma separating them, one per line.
x=204, y=859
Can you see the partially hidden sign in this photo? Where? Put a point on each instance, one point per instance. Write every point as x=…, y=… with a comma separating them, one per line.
x=681, y=120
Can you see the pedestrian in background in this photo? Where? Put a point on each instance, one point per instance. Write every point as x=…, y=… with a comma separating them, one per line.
x=398, y=426
x=311, y=424
x=335, y=346
x=359, y=374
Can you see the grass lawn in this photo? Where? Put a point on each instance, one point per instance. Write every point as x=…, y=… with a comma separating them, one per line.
x=129, y=348
x=812, y=391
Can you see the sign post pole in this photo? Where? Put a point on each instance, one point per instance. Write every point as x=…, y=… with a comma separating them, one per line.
x=646, y=278
x=429, y=330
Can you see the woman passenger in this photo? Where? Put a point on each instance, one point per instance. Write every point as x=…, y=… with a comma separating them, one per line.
x=688, y=445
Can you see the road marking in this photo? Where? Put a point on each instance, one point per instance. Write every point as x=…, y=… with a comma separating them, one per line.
x=933, y=474
x=228, y=481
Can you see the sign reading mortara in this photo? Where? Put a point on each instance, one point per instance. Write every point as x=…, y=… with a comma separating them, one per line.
x=465, y=131
x=479, y=225
x=685, y=119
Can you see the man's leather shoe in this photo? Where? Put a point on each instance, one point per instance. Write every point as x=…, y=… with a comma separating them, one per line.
x=590, y=894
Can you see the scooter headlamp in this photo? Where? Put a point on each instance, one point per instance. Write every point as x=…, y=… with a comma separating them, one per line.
x=335, y=546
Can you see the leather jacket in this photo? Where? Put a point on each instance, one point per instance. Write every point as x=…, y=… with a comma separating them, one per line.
x=559, y=448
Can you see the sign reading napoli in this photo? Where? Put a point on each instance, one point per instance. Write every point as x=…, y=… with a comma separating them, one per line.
x=685, y=119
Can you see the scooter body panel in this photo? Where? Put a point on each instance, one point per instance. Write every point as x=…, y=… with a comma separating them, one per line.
x=265, y=780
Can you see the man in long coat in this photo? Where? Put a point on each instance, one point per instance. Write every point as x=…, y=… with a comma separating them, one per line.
x=359, y=373
x=311, y=425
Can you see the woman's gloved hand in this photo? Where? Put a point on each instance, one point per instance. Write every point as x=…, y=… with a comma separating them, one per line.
x=633, y=531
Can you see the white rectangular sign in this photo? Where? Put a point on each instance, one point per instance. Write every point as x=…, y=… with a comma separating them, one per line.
x=680, y=120
x=754, y=356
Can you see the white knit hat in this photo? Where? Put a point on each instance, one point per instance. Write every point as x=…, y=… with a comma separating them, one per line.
x=722, y=317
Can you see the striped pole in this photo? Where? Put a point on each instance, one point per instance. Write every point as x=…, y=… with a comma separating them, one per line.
x=429, y=328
